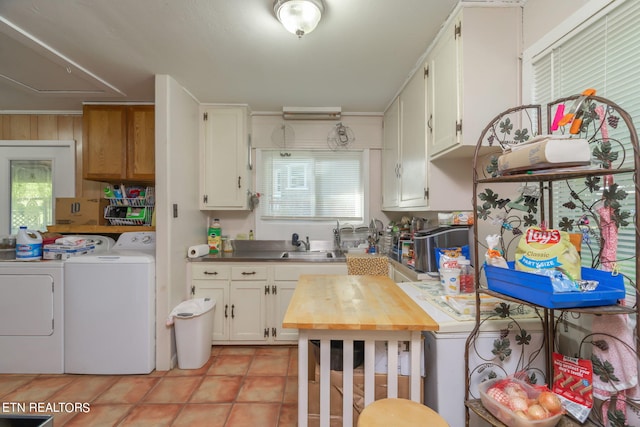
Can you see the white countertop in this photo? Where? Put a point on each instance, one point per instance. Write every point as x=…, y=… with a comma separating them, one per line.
x=425, y=294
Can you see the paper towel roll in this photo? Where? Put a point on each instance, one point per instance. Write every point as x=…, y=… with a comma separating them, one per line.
x=198, y=251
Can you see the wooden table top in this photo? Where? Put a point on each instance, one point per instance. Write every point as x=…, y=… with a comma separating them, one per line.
x=354, y=303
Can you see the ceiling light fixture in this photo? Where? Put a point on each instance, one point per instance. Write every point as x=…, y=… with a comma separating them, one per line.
x=299, y=17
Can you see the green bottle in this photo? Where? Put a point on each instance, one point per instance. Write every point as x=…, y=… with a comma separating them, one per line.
x=214, y=237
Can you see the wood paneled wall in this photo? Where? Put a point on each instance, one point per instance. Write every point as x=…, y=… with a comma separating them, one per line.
x=51, y=127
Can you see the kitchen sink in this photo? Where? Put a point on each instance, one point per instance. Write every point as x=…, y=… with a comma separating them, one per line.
x=310, y=255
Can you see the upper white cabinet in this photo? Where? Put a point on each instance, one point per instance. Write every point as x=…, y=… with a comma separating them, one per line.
x=404, y=148
x=473, y=74
x=390, y=156
x=225, y=158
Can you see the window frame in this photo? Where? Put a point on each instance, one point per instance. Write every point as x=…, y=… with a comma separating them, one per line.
x=282, y=228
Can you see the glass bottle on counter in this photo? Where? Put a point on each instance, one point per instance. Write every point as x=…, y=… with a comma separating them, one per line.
x=467, y=277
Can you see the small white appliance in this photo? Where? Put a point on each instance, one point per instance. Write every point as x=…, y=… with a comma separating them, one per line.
x=109, y=309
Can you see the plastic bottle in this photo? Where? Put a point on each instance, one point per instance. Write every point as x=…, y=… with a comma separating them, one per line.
x=214, y=237
x=467, y=277
x=250, y=234
x=28, y=245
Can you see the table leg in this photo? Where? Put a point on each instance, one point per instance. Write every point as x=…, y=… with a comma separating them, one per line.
x=303, y=374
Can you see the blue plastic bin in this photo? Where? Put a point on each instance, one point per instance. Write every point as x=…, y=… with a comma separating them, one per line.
x=537, y=289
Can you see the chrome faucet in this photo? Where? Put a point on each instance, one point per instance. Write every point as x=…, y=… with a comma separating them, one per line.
x=295, y=241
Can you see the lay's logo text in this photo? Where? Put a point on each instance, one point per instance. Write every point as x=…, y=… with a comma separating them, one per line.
x=545, y=237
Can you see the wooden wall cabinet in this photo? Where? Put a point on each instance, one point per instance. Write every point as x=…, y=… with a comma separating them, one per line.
x=119, y=143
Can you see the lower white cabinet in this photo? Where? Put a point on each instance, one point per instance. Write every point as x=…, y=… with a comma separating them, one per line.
x=248, y=292
x=252, y=298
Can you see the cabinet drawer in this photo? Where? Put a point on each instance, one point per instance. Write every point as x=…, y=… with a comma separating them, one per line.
x=292, y=272
x=248, y=273
x=209, y=270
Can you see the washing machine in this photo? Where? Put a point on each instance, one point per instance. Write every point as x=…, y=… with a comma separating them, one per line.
x=109, y=309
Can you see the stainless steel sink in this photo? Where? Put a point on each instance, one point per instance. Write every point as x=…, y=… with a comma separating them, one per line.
x=310, y=256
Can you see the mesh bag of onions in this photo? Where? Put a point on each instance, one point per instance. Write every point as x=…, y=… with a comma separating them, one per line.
x=519, y=404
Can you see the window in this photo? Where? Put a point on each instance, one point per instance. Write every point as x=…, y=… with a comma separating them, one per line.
x=31, y=194
x=311, y=185
x=603, y=53
x=33, y=174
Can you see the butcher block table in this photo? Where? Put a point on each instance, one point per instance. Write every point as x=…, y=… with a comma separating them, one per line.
x=348, y=308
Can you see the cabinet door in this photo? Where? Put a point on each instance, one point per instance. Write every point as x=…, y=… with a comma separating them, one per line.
x=248, y=310
x=141, y=165
x=413, y=145
x=104, y=142
x=390, y=155
x=282, y=292
x=444, y=72
x=224, y=159
x=217, y=290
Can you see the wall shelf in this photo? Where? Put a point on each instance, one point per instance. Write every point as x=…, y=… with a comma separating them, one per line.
x=98, y=229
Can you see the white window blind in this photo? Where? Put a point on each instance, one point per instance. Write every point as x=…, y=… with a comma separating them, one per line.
x=311, y=185
x=604, y=54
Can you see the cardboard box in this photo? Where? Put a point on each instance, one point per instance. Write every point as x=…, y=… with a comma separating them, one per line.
x=81, y=211
x=336, y=388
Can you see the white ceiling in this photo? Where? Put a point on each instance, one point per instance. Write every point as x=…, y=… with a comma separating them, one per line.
x=222, y=51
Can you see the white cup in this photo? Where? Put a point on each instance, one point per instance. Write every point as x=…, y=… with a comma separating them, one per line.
x=450, y=279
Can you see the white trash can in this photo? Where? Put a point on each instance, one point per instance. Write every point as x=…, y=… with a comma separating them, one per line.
x=193, y=320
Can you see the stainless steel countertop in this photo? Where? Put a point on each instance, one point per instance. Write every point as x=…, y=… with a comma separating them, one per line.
x=261, y=256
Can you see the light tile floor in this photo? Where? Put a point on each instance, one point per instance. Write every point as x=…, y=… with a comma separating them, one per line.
x=239, y=386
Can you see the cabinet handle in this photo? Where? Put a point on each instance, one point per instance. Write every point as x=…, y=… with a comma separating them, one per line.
x=211, y=273
x=248, y=273
x=399, y=171
x=239, y=179
x=266, y=289
x=226, y=306
x=430, y=123
x=274, y=289
x=273, y=332
x=266, y=332
x=249, y=153
x=233, y=307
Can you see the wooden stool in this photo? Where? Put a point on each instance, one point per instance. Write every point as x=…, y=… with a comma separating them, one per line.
x=399, y=413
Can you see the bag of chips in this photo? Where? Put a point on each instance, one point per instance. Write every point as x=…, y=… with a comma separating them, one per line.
x=547, y=249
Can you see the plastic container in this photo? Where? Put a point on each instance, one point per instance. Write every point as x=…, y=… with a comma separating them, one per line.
x=214, y=237
x=450, y=279
x=537, y=289
x=505, y=414
x=28, y=245
x=193, y=321
x=467, y=277
x=336, y=354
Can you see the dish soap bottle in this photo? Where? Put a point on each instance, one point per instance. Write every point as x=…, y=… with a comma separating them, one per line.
x=214, y=237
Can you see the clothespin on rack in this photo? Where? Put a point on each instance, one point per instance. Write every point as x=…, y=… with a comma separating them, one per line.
x=574, y=116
